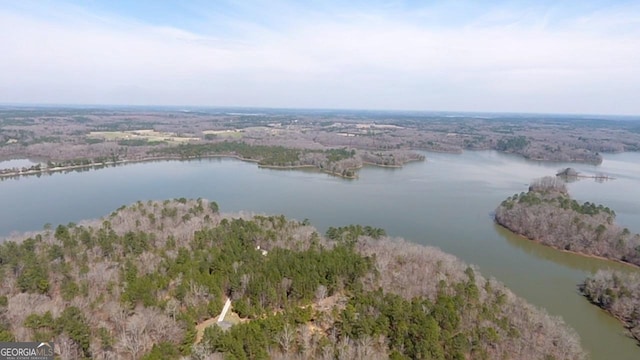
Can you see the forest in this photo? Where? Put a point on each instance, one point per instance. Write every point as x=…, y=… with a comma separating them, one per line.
x=62, y=138
x=341, y=162
x=546, y=213
x=142, y=283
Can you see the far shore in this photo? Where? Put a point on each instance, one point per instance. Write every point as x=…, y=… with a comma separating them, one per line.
x=169, y=158
x=233, y=156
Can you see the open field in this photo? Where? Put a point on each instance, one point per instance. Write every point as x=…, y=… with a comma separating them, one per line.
x=224, y=134
x=146, y=135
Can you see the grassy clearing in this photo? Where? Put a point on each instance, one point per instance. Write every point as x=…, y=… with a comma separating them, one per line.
x=232, y=318
x=227, y=134
x=145, y=135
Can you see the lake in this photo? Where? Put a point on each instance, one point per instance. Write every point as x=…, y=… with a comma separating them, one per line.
x=446, y=201
x=16, y=163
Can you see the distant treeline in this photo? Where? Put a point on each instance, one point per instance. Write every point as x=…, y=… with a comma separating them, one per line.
x=340, y=161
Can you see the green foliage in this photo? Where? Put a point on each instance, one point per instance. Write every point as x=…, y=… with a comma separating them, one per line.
x=530, y=198
x=43, y=326
x=586, y=208
x=162, y=351
x=139, y=142
x=34, y=278
x=73, y=323
x=351, y=233
x=69, y=289
x=92, y=141
x=106, y=340
x=512, y=143
x=421, y=329
x=266, y=155
x=141, y=289
x=214, y=206
x=135, y=243
x=246, y=340
x=64, y=235
x=564, y=202
x=6, y=336
x=189, y=338
x=263, y=154
x=335, y=155
x=56, y=252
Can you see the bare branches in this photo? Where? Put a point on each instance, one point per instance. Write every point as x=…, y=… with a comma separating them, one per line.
x=619, y=294
x=548, y=184
x=554, y=219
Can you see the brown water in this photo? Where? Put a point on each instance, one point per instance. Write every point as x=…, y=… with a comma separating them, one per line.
x=446, y=202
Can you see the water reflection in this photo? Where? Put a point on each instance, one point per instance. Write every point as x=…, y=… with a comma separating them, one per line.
x=16, y=163
x=574, y=261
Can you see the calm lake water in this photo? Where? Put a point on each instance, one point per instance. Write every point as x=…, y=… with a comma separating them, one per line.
x=16, y=163
x=446, y=201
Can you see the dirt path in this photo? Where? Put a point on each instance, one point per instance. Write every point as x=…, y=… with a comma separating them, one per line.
x=203, y=325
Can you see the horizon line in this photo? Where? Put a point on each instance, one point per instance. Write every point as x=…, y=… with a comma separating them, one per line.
x=184, y=107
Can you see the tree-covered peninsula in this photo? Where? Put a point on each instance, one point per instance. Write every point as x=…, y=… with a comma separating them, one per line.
x=619, y=294
x=546, y=213
x=150, y=280
x=340, y=162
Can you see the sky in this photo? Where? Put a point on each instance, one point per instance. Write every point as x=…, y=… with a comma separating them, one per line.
x=545, y=56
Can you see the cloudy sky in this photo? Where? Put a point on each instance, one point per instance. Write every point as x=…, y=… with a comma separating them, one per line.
x=554, y=56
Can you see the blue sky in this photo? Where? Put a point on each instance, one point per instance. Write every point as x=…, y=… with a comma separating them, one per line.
x=515, y=56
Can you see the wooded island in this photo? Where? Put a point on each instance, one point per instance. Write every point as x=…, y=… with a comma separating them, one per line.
x=547, y=214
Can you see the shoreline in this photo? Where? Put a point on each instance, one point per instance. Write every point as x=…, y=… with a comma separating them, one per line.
x=609, y=313
x=96, y=166
x=569, y=251
x=621, y=320
x=295, y=167
x=392, y=166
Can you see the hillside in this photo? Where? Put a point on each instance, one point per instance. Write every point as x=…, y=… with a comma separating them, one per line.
x=546, y=213
x=136, y=283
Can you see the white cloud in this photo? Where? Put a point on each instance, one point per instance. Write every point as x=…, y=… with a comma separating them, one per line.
x=497, y=63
